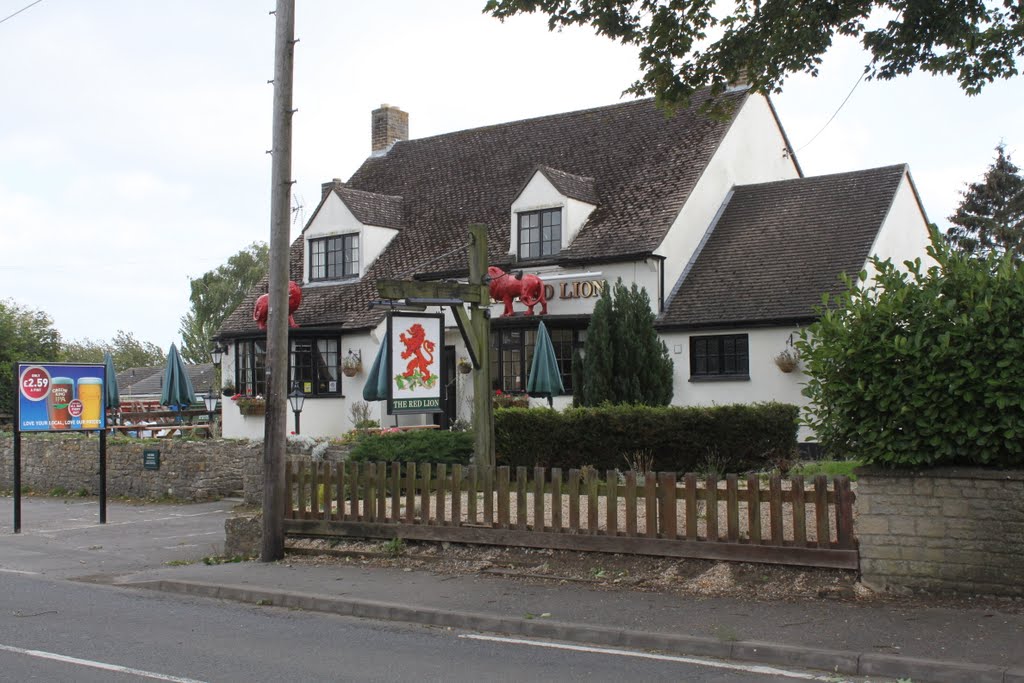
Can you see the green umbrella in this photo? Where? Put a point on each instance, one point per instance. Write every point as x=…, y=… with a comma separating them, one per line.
x=177, y=389
x=110, y=382
x=376, y=387
x=545, y=379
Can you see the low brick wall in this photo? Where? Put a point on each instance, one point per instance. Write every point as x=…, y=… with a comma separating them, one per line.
x=189, y=469
x=950, y=529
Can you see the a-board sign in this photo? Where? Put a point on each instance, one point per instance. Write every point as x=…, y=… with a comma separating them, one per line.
x=55, y=397
x=151, y=459
x=416, y=345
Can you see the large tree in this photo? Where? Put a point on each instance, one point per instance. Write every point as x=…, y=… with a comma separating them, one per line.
x=128, y=352
x=215, y=294
x=25, y=335
x=624, y=360
x=991, y=216
x=762, y=43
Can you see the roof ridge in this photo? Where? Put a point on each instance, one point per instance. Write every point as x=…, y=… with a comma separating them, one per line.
x=823, y=176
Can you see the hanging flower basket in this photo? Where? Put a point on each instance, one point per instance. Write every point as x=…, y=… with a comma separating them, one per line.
x=464, y=366
x=788, y=360
x=352, y=364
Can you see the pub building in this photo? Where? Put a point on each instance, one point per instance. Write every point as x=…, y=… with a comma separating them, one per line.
x=713, y=217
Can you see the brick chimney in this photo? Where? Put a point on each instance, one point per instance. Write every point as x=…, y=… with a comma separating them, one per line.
x=388, y=126
x=327, y=188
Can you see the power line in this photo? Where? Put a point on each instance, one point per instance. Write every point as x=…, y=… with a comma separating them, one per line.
x=11, y=16
x=863, y=74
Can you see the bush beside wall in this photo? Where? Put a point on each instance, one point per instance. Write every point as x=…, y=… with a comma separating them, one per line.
x=728, y=438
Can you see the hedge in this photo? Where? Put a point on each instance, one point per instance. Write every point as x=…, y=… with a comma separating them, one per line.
x=428, y=445
x=728, y=438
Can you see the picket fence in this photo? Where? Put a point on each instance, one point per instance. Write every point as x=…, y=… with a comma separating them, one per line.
x=750, y=519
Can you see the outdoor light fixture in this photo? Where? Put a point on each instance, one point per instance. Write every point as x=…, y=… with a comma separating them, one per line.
x=296, y=399
x=211, y=405
x=217, y=352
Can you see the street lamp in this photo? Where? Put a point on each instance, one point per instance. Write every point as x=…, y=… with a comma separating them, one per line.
x=296, y=399
x=211, y=405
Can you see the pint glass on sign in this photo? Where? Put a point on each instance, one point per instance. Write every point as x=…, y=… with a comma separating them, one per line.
x=90, y=393
x=62, y=390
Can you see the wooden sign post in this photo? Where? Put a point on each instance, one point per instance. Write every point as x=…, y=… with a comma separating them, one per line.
x=475, y=327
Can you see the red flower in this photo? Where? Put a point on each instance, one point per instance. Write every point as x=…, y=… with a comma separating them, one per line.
x=497, y=392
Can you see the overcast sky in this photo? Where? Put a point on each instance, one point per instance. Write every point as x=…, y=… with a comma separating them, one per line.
x=133, y=133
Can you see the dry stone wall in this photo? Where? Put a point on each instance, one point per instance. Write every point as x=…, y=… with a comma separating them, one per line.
x=189, y=469
x=942, y=530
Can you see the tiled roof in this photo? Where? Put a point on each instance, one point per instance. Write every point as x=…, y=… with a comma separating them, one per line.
x=572, y=186
x=149, y=381
x=371, y=208
x=644, y=164
x=778, y=246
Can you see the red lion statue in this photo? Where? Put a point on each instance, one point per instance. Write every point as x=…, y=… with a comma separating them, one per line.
x=529, y=290
x=261, y=309
x=416, y=343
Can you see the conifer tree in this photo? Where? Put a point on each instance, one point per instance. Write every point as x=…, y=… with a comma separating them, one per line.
x=991, y=216
x=624, y=361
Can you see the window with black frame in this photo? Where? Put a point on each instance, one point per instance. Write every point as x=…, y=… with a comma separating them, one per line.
x=316, y=365
x=250, y=367
x=512, y=354
x=540, y=233
x=334, y=258
x=720, y=356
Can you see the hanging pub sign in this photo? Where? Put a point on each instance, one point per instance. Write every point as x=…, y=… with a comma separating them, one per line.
x=416, y=343
x=60, y=397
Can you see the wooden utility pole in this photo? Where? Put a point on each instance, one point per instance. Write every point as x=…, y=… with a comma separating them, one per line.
x=277, y=321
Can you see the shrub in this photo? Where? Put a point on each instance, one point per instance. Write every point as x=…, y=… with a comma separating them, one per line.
x=427, y=445
x=922, y=368
x=679, y=439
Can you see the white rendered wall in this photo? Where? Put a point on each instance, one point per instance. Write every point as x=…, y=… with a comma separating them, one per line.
x=904, y=232
x=334, y=218
x=753, y=151
x=538, y=194
x=766, y=383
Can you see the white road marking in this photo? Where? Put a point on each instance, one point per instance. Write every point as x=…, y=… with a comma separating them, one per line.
x=97, y=665
x=138, y=521
x=17, y=571
x=205, y=533
x=750, y=668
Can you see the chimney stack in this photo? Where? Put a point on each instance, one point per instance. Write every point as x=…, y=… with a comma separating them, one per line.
x=388, y=126
x=327, y=188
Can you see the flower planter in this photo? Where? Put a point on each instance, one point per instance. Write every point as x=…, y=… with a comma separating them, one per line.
x=787, y=361
x=350, y=371
x=253, y=409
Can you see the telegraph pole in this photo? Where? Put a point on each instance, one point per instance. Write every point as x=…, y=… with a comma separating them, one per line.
x=277, y=321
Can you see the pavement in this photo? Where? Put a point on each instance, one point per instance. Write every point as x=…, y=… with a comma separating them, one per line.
x=901, y=639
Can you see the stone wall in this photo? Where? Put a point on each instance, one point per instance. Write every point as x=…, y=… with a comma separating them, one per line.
x=189, y=469
x=950, y=529
x=252, y=474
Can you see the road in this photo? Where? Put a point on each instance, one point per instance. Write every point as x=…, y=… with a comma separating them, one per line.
x=77, y=632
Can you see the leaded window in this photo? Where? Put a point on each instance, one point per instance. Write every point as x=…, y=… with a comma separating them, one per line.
x=721, y=355
x=334, y=258
x=315, y=365
x=540, y=233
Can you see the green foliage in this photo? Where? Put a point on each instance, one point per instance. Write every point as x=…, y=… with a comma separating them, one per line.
x=624, y=360
x=424, y=445
x=128, y=352
x=25, y=335
x=678, y=439
x=991, y=215
x=763, y=43
x=215, y=295
x=830, y=468
x=922, y=367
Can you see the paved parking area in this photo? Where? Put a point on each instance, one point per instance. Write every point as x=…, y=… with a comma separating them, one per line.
x=62, y=537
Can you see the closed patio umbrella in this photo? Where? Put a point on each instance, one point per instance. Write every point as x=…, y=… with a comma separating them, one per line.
x=113, y=396
x=177, y=390
x=545, y=380
x=376, y=387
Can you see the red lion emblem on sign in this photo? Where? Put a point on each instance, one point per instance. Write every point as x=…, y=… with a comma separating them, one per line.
x=260, y=310
x=529, y=290
x=416, y=345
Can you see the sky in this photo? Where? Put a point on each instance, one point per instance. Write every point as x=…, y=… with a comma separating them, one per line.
x=134, y=134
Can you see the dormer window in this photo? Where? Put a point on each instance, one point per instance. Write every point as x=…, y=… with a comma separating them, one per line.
x=334, y=258
x=540, y=233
